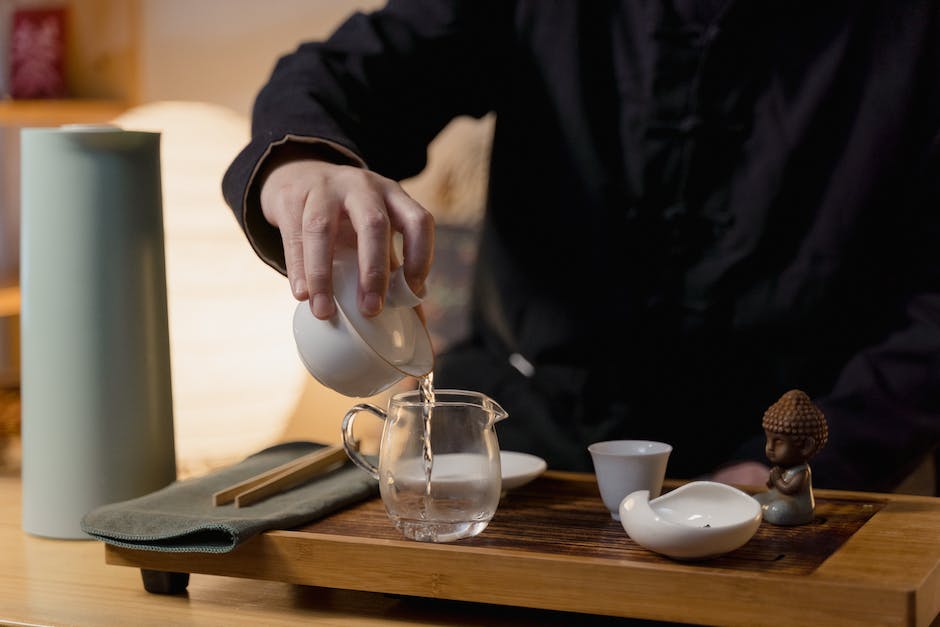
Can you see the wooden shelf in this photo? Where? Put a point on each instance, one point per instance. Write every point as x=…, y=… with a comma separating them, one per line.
x=9, y=300
x=57, y=112
x=100, y=67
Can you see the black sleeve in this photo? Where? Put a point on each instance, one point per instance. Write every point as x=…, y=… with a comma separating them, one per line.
x=884, y=410
x=375, y=93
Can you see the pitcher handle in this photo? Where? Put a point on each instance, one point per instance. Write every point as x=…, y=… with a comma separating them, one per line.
x=349, y=442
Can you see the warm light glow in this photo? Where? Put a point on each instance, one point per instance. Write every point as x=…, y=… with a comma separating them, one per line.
x=236, y=374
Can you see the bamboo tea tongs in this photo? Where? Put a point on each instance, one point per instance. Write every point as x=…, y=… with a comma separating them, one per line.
x=282, y=478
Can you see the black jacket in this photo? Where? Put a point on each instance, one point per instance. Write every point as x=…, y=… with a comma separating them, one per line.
x=692, y=209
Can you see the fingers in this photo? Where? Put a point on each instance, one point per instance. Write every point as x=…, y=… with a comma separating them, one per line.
x=318, y=206
x=417, y=228
x=283, y=200
x=319, y=227
x=742, y=473
x=369, y=219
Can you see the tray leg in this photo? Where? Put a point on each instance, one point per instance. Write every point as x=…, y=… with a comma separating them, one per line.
x=162, y=582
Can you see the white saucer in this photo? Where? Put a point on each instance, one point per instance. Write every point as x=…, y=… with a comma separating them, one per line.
x=519, y=468
x=457, y=469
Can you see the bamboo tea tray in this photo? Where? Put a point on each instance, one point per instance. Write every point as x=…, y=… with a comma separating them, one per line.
x=867, y=559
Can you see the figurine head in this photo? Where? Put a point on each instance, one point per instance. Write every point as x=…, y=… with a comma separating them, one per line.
x=795, y=428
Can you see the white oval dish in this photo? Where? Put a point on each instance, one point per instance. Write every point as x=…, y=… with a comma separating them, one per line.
x=698, y=520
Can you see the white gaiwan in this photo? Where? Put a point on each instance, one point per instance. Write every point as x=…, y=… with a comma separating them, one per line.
x=698, y=520
x=359, y=356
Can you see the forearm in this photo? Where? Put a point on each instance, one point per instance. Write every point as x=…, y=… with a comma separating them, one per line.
x=376, y=92
x=884, y=410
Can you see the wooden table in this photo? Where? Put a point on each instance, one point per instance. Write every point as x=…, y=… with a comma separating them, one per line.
x=67, y=582
x=867, y=559
x=887, y=557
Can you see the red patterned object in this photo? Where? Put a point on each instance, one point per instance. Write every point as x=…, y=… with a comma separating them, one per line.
x=37, y=53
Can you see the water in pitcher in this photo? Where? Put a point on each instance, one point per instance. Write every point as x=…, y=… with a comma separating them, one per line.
x=442, y=519
x=450, y=496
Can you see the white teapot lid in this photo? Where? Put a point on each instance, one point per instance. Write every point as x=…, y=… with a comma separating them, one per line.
x=396, y=334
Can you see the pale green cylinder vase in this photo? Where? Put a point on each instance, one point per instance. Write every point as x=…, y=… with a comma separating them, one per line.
x=97, y=411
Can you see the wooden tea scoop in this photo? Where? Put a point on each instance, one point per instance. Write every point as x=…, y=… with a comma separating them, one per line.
x=282, y=478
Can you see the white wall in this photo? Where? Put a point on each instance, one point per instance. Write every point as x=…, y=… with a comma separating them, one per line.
x=236, y=377
x=221, y=51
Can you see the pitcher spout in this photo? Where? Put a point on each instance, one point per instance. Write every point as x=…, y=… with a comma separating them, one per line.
x=496, y=412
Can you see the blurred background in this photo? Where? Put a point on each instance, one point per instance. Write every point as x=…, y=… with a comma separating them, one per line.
x=190, y=69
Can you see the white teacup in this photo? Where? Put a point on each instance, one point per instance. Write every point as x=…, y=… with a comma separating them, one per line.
x=625, y=466
x=359, y=356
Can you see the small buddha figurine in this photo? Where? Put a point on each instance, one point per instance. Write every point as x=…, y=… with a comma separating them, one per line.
x=796, y=429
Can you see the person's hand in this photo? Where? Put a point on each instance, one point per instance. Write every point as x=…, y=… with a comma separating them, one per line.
x=318, y=205
x=742, y=473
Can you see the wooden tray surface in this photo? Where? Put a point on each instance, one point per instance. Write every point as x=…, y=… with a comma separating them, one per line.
x=555, y=515
x=866, y=559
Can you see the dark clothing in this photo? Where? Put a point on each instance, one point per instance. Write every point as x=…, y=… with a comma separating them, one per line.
x=693, y=208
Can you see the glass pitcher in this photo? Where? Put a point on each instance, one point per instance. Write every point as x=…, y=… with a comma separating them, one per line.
x=438, y=488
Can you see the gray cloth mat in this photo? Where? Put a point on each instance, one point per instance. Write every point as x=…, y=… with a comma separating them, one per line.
x=181, y=517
